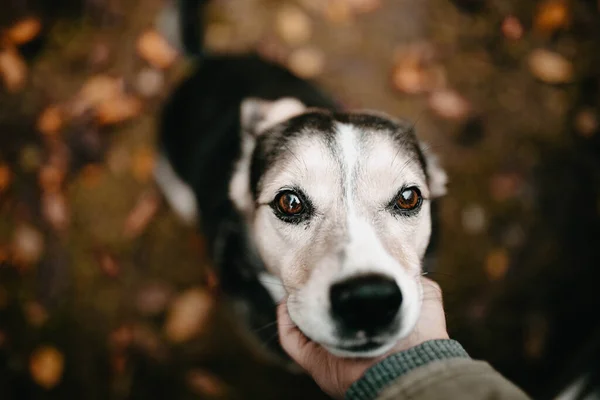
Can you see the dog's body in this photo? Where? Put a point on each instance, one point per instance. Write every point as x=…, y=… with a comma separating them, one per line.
x=298, y=198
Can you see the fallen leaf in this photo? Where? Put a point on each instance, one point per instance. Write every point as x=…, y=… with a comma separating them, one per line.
x=272, y=49
x=155, y=49
x=496, y=264
x=121, y=337
x=364, y=6
x=98, y=90
x=337, y=11
x=550, y=67
x=24, y=31
x=149, y=82
x=35, y=314
x=212, y=282
x=551, y=16
x=5, y=177
x=473, y=219
x=50, y=121
x=109, y=265
x=203, y=383
x=512, y=28
x=293, y=25
x=586, y=122
x=505, y=186
x=28, y=244
x=13, y=70
x=187, y=315
x=55, y=210
x=449, y=104
x=46, y=366
x=415, y=70
x=152, y=299
x=141, y=215
x=307, y=62
x=100, y=54
x=51, y=178
x=118, y=110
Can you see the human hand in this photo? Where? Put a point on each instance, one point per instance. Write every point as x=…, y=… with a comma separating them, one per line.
x=335, y=374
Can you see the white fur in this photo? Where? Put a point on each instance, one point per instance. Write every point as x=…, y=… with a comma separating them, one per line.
x=257, y=116
x=178, y=194
x=573, y=392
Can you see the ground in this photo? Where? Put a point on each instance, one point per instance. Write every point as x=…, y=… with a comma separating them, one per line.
x=105, y=294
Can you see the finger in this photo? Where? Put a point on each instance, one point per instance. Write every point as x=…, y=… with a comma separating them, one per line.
x=290, y=337
x=431, y=290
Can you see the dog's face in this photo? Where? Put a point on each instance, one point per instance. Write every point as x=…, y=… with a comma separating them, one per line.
x=339, y=209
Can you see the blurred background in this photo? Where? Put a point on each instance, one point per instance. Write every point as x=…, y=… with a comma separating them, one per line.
x=105, y=295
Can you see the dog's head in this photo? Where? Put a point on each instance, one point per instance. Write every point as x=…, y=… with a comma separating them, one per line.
x=338, y=206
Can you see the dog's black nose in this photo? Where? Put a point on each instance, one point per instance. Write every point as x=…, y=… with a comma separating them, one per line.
x=366, y=303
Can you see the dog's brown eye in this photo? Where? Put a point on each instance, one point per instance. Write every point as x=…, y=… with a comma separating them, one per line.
x=409, y=199
x=289, y=203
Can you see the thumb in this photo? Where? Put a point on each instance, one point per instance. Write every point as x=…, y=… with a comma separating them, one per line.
x=294, y=342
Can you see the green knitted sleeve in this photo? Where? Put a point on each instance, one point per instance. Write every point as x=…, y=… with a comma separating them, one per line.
x=391, y=368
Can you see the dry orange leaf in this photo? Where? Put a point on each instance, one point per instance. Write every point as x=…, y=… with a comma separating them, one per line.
x=55, y=210
x=118, y=110
x=496, y=264
x=35, y=313
x=586, y=123
x=512, y=28
x=100, y=89
x=5, y=177
x=141, y=215
x=449, y=104
x=109, y=265
x=50, y=178
x=204, y=383
x=143, y=164
x=551, y=16
x=293, y=25
x=307, y=62
x=338, y=11
x=187, y=315
x=28, y=244
x=121, y=337
x=149, y=82
x=155, y=49
x=505, y=186
x=24, y=31
x=50, y=121
x=13, y=70
x=364, y=6
x=46, y=366
x=152, y=298
x=550, y=67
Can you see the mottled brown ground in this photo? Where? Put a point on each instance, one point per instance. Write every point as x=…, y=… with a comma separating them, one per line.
x=104, y=294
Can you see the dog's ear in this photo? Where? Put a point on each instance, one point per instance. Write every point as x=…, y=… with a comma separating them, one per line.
x=258, y=115
x=437, y=177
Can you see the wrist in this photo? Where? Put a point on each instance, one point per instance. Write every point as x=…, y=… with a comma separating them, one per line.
x=392, y=367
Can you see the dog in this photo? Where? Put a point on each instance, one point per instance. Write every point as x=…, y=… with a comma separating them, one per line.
x=299, y=199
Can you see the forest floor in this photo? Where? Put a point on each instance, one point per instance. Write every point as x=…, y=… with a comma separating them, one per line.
x=105, y=294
